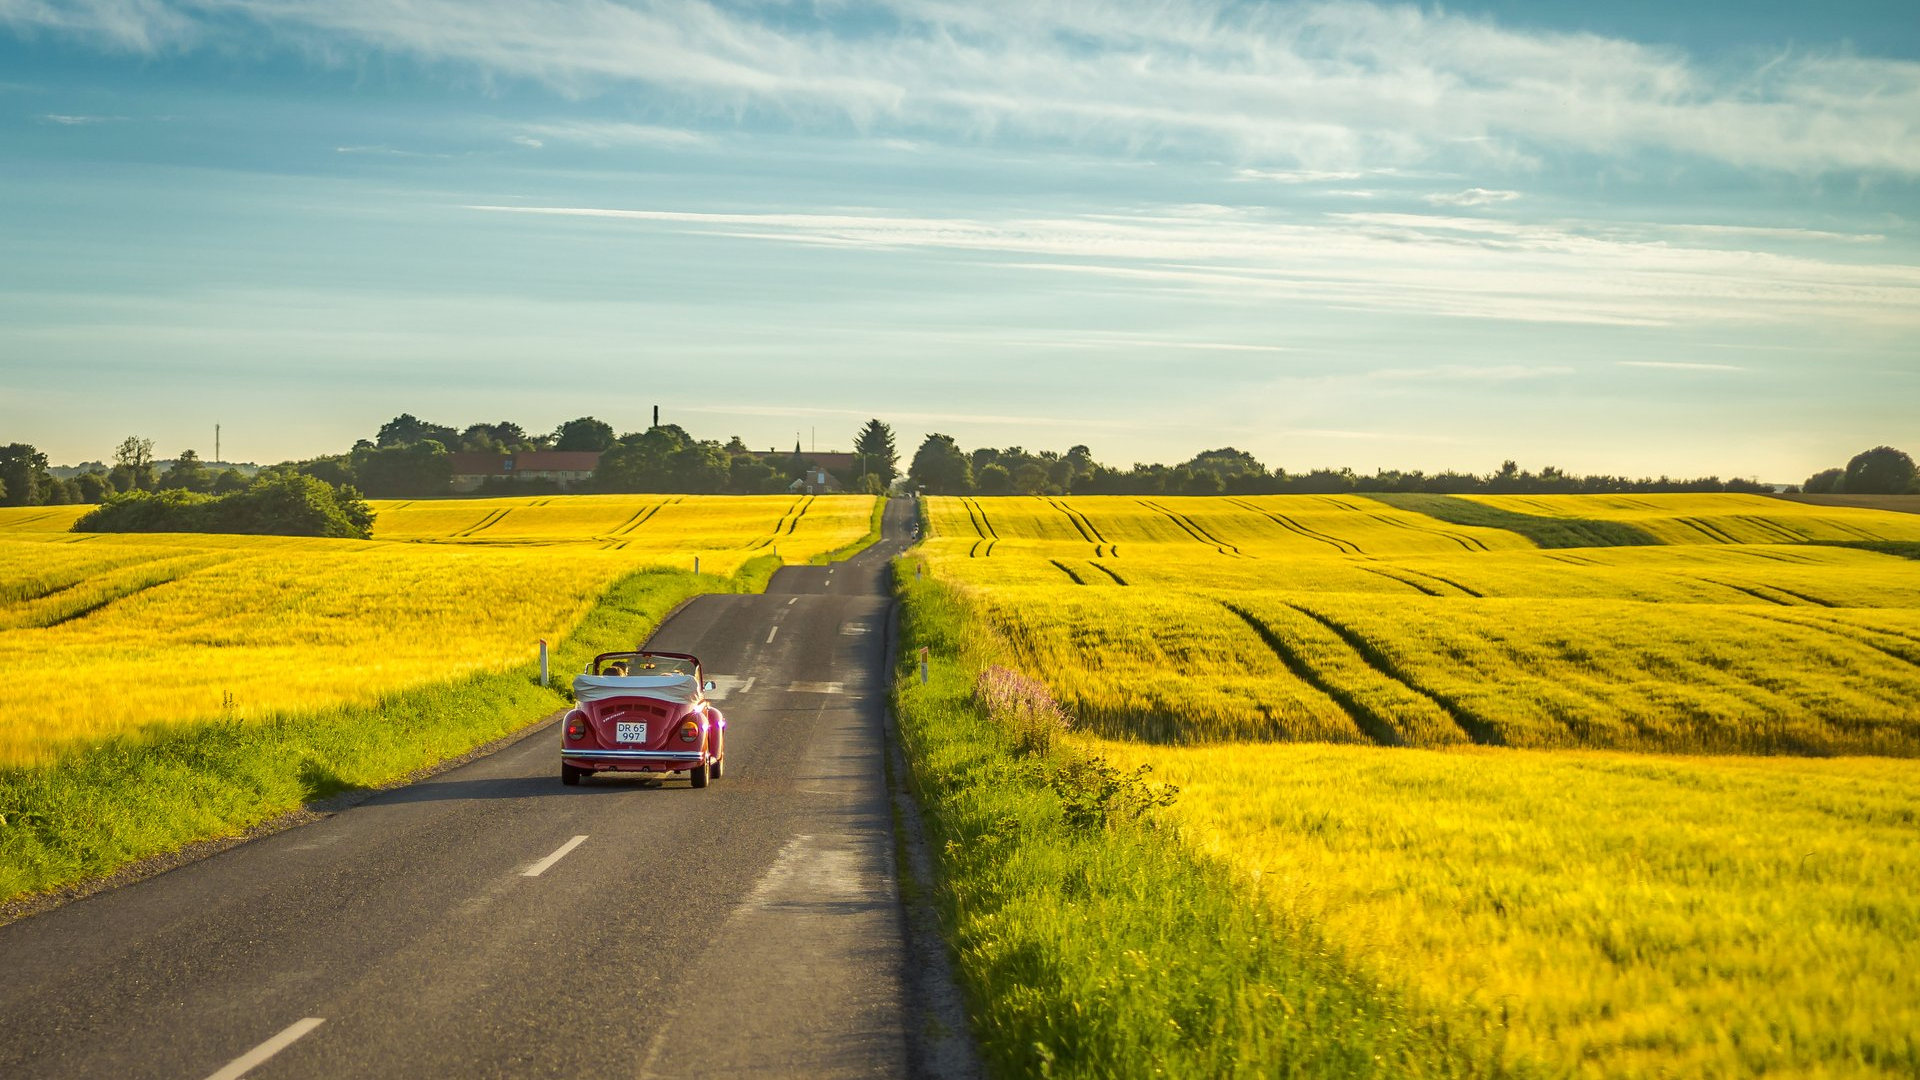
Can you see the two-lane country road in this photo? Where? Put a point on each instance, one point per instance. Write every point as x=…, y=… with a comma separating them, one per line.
x=491, y=922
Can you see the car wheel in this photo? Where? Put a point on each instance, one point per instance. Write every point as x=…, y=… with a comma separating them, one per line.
x=571, y=776
x=719, y=768
x=700, y=773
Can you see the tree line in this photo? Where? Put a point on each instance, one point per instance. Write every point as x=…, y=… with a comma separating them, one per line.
x=1879, y=471
x=411, y=458
x=941, y=467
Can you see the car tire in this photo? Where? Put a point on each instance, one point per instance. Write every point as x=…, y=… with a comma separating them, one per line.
x=700, y=774
x=571, y=776
x=719, y=768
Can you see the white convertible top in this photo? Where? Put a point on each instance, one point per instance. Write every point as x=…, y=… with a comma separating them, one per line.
x=680, y=689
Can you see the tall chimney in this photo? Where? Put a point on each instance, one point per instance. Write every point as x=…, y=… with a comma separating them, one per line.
x=656, y=416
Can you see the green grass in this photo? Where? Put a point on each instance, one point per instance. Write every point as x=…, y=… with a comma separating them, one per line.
x=1119, y=951
x=100, y=806
x=1544, y=531
x=860, y=545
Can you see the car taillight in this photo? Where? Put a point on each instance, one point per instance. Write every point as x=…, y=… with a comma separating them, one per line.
x=689, y=731
x=576, y=725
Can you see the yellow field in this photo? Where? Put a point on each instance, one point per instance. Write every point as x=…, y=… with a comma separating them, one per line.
x=1597, y=913
x=1719, y=519
x=102, y=633
x=1343, y=619
x=1613, y=915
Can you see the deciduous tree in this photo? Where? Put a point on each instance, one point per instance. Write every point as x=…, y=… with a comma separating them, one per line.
x=940, y=467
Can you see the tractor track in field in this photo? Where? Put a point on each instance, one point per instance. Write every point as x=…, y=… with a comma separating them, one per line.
x=1796, y=599
x=1067, y=570
x=1363, y=718
x=1414, y=585
x=1117, y=579
x=1197, y=531
x=1475, y=729
x=1841, y=633
x=487, y=521
x=1081, y=523
x=1345, y=547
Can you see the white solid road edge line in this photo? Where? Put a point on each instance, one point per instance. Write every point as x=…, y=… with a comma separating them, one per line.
x=541, y=867
x=241, y=1065
x=770, y=634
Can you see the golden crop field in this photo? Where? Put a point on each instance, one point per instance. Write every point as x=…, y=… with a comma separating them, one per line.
x=105, y=633
x=1608, y=914
x=1719, y=519
x=1530, y=866
x=1341, y=618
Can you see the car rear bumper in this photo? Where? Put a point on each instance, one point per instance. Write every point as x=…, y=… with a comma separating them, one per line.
x=681, y=758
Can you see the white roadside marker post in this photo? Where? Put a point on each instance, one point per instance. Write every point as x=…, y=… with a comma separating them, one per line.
x=923, y=665
x=696, y=566
x=543, y=661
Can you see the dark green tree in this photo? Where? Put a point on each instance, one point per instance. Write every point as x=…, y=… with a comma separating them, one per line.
x=1825, y=482
x=583, y=433
x=404, y=471
x=1030, y=478
x=995, y=480
x=1880, y=471
x=940, y=467
x=21, y=471
x=406, y=429
x=874, y=453
x=188, y=472
x=133, y=465
x=91, y=487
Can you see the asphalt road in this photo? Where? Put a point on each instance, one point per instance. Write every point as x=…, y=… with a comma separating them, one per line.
x=751, y=929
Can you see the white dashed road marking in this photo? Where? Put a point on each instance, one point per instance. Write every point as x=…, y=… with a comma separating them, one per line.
x=816, y=688
x=243, y=1064
x=770, y=632
x=541, y=867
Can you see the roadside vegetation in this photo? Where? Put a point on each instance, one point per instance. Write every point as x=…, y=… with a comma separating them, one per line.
x=1474, y=778
x=1091, y=940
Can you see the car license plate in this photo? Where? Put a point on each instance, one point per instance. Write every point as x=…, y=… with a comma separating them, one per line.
x=625, y=732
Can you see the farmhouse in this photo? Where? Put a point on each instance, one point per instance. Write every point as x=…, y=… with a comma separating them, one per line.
x=568, y=468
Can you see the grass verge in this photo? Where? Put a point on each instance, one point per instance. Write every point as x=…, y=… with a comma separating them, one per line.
x=860, y=545
x=1544, y=531
x=1092, y=944
x=99, y=807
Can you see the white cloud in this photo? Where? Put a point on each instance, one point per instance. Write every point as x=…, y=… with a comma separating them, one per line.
x=70, y=120
x=1424, y=263
x=1675, y=365
x=609, y=134
x=1294, y=92
x=528, y=141
x=1471, y=197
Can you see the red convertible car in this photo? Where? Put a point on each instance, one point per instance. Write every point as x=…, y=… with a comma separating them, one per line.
x=643, y=712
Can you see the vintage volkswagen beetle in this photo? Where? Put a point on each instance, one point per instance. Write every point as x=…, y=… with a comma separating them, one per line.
x=643, y=712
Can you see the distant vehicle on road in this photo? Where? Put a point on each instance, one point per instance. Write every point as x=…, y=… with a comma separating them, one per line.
x=643, y=712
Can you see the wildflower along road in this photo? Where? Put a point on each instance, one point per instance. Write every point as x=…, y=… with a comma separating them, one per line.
x=490, y=922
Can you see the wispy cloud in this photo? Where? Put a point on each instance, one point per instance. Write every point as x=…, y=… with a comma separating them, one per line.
x=1428, y=263
x=72, y=120
x=1471, y=197
x=1676, y=365
x=611, y=134
x=1293, y=91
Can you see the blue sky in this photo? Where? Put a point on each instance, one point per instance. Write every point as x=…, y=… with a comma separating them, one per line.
x=1632, y=237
